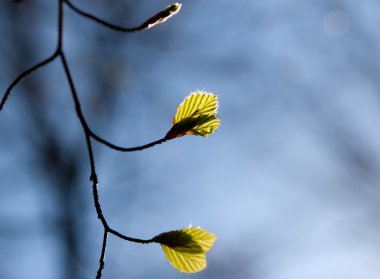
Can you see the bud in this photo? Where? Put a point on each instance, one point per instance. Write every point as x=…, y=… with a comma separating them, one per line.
x=161, y=17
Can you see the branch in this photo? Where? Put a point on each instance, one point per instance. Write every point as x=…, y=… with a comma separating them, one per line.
x=142, y=241
x=86, y=131
x=158, y=18
x=126, y=149
x=88, y=134
x=102, y=256
x=24, y=75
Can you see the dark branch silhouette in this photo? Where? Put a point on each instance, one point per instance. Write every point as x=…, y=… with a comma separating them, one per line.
x=102, y=255
x=126, y=149
x=154, y=20
x=24, y=75
x=59, y=53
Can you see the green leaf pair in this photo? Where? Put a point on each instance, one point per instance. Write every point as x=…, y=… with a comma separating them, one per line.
x=186, y=249
x=196, y=115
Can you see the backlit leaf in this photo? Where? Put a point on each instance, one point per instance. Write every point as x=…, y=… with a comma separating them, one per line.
x=196, y=115
x=186, y=249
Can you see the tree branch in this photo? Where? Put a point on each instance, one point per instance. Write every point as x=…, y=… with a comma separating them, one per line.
x=88, y=134
x=154, y=20
x=131, y=239
x=157, y=19
x=126, y=149
x=24, y=75
x=102, y=255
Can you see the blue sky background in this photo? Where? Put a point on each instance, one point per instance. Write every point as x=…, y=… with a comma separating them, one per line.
x=290, y=181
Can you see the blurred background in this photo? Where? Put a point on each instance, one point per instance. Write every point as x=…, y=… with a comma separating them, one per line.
x=289, y=183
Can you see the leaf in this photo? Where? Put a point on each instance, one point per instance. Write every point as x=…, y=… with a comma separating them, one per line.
x=186, y=249
x=196, y=115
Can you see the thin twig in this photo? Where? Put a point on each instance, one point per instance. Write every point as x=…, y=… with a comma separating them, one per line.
x=102, y=255
x=157, y=19
x=87, y=131
x=101, y=21
x=131, y=239
x=25, y=74
x=126, y=149
x=88, y=134
x=93, y=176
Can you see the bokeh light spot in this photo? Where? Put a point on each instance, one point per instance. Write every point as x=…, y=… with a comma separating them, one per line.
x=335, y=24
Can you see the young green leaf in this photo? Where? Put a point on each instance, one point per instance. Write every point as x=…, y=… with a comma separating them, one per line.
x=196, y=115
x=186, y=249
